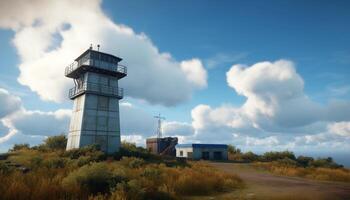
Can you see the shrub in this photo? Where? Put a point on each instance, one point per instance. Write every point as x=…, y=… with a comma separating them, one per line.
x=131, y=150
x=35, y=162
x=304, y=161
x=325, y=162
x=91, y=151
x=276, y=155
x=55, y=162
x=94, y=178
x=56, y=142
x=201, y=179
x=18, y=147
x=325, y=174
x=250, y=156
x=132, y=162
x=287, y=162
x=233, y=150
x=131, y=190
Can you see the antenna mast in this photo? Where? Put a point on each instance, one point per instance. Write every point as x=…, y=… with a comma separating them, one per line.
x=159, y=129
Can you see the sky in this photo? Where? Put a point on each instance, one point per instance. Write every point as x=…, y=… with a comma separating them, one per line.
x=261, y=75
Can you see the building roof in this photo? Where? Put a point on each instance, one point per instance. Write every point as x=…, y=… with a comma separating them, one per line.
x=201, y=146
x=90, y=50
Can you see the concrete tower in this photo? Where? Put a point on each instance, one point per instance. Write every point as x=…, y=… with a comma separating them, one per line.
x=96, y=95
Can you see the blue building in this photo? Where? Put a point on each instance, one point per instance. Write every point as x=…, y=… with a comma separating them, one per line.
x=202, y=151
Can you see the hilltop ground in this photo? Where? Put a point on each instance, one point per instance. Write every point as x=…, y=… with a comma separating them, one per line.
x=47, y=171
x=261, y=184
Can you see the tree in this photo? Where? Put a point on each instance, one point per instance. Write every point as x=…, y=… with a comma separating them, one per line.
x=233, y=150
x=56, y=142
x=304, y=161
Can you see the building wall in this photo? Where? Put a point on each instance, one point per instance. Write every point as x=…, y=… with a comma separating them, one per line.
x=185, y=152
x=152, y=145
x=95, y=118
x=197, y=152
x=162, y=145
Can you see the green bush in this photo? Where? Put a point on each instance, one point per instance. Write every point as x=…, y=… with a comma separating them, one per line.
x=92, y=151
x=325, y=162
x=94, y=178
x=287, y=162
x=56, y=142
x=132, y=162
x=18, y=147
x=233, y=150
x=55, y=162
x=304, y=161
x=276, y=155
x=250, y=156
x=35, y=162
x=131, y=150
x=131, y=190
x=4, y=168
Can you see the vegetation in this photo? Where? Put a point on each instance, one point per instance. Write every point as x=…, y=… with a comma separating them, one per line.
x=288, y=167
x=48, y=171
x=286, y=163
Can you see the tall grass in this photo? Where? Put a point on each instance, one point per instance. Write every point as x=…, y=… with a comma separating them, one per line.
x=85, y=174
x=317, y=173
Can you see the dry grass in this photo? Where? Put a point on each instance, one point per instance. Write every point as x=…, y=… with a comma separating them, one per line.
x=57, y=175
x=323, y=174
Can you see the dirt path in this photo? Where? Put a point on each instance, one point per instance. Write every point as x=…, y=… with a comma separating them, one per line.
x=262, y=185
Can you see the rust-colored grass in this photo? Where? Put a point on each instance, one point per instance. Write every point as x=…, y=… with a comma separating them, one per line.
x=53, y=175
x=322, y=174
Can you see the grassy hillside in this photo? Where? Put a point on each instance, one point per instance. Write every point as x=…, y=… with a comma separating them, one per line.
x=287, y=164
x=48, y=172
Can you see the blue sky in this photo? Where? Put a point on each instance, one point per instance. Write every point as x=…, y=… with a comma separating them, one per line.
x=315, y=37
x=312, y=38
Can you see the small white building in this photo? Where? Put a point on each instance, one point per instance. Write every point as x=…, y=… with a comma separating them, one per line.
x=202, y=151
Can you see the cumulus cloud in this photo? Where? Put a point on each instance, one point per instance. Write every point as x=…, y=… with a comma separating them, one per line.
x=139, y=140
x=175, y=128
x=47, y=41
x=3, y=130
x=275, y=105
x=195, y=72
x=268, y=141
x=9, y=103
x=18, y=125
x=135, y=121
x=340, y=128
x=41, y=123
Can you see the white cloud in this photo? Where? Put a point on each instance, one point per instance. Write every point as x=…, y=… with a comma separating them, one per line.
x=19, y=125
x=195, y=72
x=340, y=128
x=224, y=59
x=135, y=121
x=3, y=130
x=275, y=105
x=139, y=140
x=41, y=123
x=268, y=141
x=47, y=41
x=177, y=128
x=8, y=103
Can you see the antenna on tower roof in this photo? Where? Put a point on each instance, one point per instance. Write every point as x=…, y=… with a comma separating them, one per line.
x=159, y=129
x=90, y=47
x=98, y=47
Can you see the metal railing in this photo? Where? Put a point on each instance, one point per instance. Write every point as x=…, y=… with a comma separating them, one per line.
x=96, y=63
x=96, y=88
